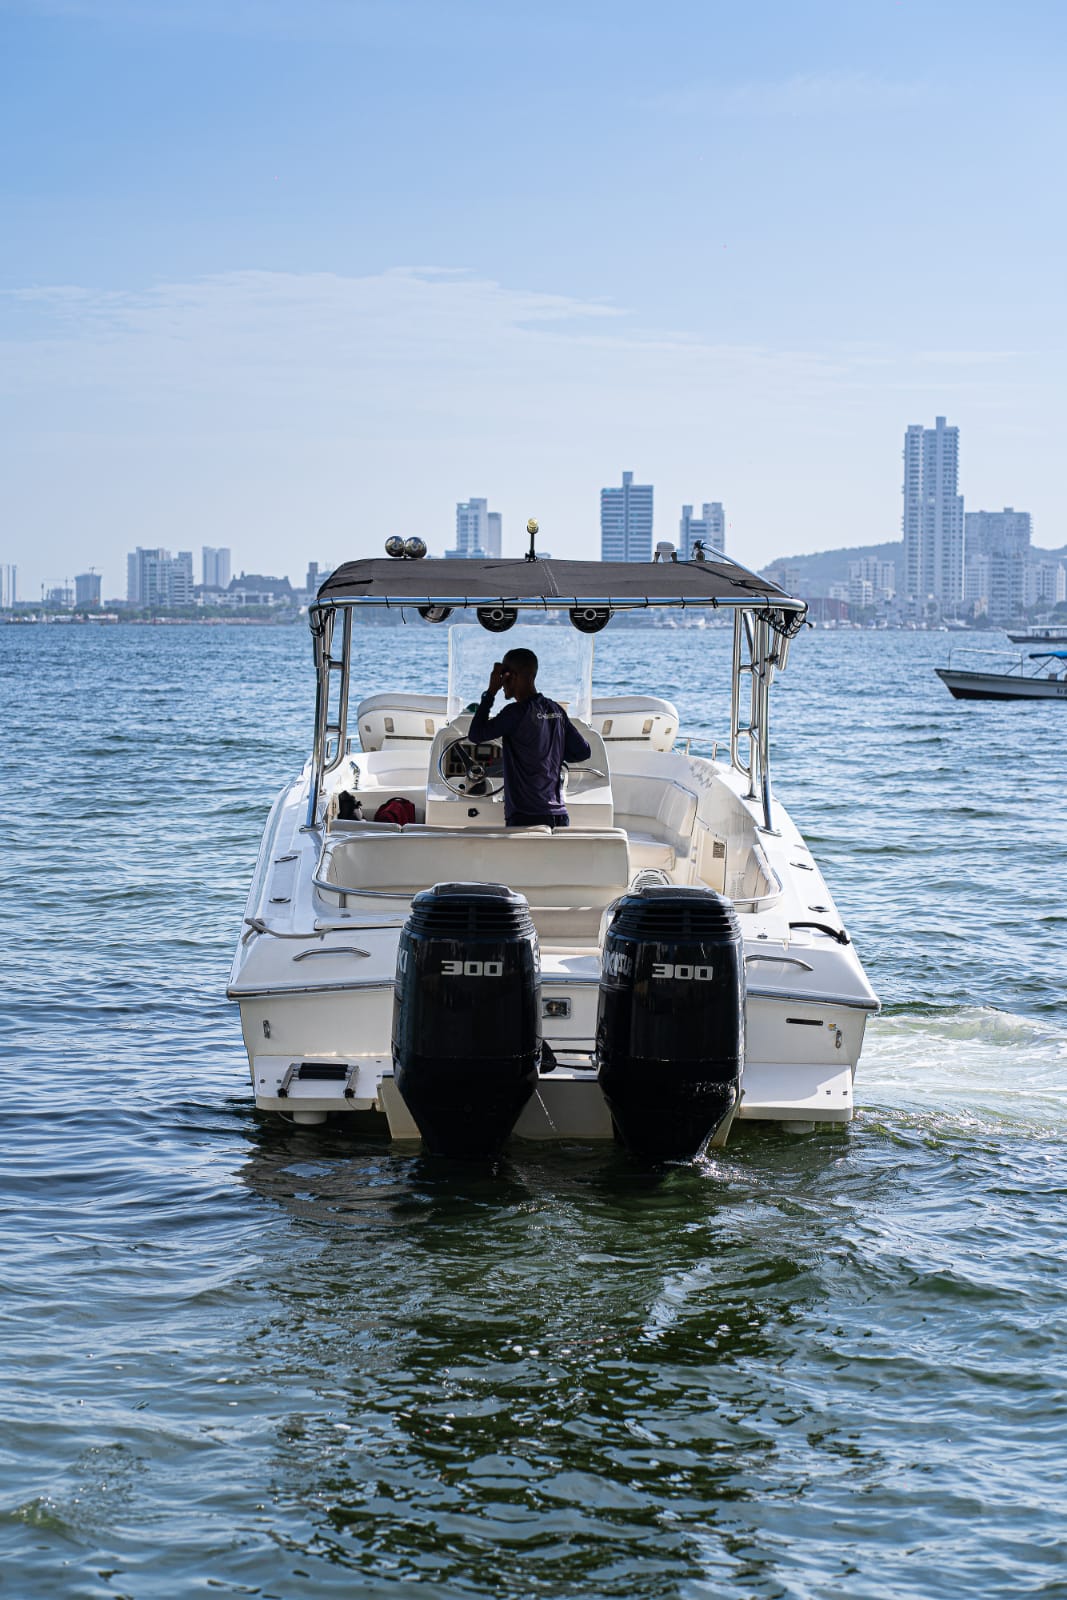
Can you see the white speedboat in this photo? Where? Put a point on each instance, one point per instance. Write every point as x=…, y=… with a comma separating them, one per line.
x=1035, y=675
x=669, y=964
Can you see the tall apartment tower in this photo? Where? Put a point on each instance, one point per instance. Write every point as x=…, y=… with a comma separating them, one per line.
x=997, y=533
x=709, y=528
x=477, y=531
x=214, y=567
x=626, y=521
x=87, y=589
x=142, y=576
x=8, y=586
x=156, y=578
x=933, y=515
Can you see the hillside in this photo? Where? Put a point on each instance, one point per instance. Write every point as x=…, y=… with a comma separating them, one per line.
x=819, y=570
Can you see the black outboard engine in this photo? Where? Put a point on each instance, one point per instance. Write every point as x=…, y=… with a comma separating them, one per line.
x=671, y=1019
x=467, y=1016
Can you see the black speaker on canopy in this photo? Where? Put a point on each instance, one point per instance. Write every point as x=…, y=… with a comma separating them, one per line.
x=590, y=619
x=497, y=619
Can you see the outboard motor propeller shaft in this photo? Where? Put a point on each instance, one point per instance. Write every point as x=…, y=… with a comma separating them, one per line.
x=467, y=1016
x=671, y=1019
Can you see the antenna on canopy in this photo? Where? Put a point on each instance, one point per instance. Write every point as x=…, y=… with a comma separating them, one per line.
x=532, y=530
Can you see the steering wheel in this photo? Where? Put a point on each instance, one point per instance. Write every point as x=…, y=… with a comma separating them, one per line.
x=475, y=781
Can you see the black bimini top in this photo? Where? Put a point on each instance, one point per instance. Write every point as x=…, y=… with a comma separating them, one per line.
x=622, y=585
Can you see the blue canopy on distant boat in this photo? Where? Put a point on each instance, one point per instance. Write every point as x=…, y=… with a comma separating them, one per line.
x=1048, y=655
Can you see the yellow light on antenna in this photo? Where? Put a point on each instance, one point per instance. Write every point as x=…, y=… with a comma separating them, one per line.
x=532, y=526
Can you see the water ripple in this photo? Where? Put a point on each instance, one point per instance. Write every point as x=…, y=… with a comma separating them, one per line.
x=245, y=1359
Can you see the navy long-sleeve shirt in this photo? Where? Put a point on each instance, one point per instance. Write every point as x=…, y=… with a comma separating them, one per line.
x=538, y=736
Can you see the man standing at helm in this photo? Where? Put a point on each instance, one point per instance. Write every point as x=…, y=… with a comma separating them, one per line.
x=537, y=736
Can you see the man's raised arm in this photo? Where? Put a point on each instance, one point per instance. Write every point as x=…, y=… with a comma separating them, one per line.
x=483, y=725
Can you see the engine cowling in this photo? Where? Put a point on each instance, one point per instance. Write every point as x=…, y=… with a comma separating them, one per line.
x=467, y=1016
x=671, y=1019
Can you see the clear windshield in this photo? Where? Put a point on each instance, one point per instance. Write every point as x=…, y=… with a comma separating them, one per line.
x=565, y=670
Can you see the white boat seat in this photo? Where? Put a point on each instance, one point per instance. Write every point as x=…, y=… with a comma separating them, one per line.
x=635, y=719
x=386, y=720
x=646, y=850
x=352, y=825
x=568, y=876
x=654, y=810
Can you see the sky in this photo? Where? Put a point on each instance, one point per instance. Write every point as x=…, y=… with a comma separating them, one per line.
x=294, y=275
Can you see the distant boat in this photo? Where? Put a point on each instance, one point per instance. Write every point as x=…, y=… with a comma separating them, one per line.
x=1042, y=635
x=1045, y=679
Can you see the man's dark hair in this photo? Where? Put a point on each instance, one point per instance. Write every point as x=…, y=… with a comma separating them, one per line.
x=524, y=660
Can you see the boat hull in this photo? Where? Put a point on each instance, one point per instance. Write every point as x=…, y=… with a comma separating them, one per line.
x=315, y=969
x=1000, y=686
x=800, y=1062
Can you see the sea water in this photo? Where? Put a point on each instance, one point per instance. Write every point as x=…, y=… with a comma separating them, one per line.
x=245, y=1359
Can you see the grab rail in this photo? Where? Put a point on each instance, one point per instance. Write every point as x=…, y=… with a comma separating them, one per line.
x=332, y=950
x=760, y=902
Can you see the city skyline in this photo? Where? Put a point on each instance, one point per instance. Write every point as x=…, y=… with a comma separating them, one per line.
x=627, y=532
x=219, y=326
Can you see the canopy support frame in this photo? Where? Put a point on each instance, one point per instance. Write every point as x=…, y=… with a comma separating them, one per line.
x=757, y=649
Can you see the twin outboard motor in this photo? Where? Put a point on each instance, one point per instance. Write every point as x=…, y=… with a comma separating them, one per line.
x=467, y=1016
x=671, y=1019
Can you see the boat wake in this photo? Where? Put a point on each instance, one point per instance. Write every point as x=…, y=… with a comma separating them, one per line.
x=974, y=1060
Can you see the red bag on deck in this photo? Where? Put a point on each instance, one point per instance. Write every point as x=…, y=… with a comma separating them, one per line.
x=395, y=810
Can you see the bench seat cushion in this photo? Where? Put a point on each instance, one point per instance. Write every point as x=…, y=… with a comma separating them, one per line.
x=568, y=876
x=646, y=850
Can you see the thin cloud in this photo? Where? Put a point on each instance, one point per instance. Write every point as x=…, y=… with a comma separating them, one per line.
x=406, y=341
x=804, y=95
x=283, y=411
x=414, y=340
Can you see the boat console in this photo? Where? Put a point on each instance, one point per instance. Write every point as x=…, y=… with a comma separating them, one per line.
x=465, y=782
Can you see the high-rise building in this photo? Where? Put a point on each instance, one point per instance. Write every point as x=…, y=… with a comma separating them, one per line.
x=214, y=566
x=997, y=533
x=8, y=586
x=933, y=515
x=87, y=589
x=996, y=586
x=791, y=579
x=142, y=578
x=495, y=535
x=156, y=578
x=709, y=528
x=1045, y=580
x=626, y=521
x=473, y=532
x=880, y=575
